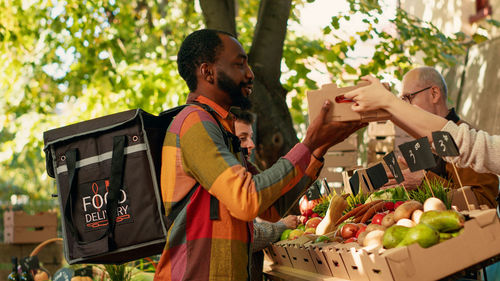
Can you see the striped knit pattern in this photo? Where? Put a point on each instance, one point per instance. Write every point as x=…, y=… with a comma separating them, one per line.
x=194, y=151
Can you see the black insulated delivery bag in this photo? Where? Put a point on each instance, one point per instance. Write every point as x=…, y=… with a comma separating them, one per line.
x=107, y=172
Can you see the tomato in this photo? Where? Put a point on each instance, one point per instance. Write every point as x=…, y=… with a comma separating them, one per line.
x=352, y=239
x=397, y=204
x=389, y=205
x=360, y=230
x=306, y=206
x=377, y=218
x=314, y=215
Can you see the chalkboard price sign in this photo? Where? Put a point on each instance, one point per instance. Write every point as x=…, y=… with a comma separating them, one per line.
x=444, y=144
x=392, y=163
x=418, y=154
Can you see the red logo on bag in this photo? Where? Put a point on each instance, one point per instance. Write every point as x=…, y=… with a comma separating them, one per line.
x=94, y=202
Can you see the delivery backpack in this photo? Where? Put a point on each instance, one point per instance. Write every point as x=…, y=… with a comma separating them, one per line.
x=107, y=172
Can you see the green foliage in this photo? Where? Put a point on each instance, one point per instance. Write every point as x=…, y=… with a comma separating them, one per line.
x=67, y=61
x=439, y=188
x=355, y=200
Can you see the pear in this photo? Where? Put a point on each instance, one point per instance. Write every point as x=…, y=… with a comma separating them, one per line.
x=422, y=234
x=443, y=221
x=394, y=235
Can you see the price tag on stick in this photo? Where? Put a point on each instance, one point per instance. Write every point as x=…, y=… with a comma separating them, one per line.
x=354, y=183
x=313, y=191
x=419, y=156
x=445, y=146
x=377, y=176
x=391, y=162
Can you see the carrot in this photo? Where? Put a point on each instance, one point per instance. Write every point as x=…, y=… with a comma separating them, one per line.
x=356, y=212
x=375, y=208
x=367, y=206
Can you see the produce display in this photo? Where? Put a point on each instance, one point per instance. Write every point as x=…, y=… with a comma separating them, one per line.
x=359, y=230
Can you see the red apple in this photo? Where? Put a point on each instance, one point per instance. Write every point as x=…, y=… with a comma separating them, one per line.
x=349, y=230
x=313, y=222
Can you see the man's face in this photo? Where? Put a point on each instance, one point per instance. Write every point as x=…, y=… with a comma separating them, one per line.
x=422, y=99
x=244, y=132
x=233, y=75
x=235, y=91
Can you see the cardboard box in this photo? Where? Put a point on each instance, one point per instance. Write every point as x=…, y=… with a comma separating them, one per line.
x=378, y=148
x=301, y=258
x=381, y=128
x=458, y=200
x=335, y=261
x=479, y=241
x=280, y=255
x=341, y=159
x=20, y=227
x=341, y=111
x=319, y=259
x=349, y=144
x=330, y=176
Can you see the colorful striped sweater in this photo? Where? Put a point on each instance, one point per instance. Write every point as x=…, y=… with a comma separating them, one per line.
x=194, y=151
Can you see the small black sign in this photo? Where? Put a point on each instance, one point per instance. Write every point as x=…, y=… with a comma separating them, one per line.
x=63, y=274
x=377, y=176
x=392, y=163
x=445, y=144
x=418, y=154
x=313, y=192
x=30, y=263
x=354, y=182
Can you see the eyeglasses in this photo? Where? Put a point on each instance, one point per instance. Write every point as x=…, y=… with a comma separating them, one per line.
x=409, y=97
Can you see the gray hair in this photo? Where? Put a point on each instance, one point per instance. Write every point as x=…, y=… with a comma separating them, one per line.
x=428, y=76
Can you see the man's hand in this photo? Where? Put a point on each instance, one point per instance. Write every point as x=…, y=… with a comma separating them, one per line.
x=412, y=180
x=290, y=221
x=321, y=135
x=371, y=97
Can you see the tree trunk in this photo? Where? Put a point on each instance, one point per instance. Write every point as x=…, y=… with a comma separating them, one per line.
x=219, y=14
x=275, y=133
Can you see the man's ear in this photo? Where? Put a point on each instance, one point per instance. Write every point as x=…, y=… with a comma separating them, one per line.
x=207, y=72
x=436, y=94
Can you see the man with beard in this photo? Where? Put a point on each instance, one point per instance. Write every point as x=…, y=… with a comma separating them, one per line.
x=203, y=176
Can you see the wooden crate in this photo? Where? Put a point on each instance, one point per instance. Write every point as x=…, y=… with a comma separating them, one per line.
x=20, y=227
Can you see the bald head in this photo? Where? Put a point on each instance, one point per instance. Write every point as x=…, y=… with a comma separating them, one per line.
x=427, y=76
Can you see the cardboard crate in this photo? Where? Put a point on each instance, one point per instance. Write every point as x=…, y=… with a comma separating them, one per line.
x=280, y=255
x=381, y=128
x=335, y=261
x=301, y=258
x=319, y=259
x=330, y=175
x=379, y=147
x=341, y=110
x=349, y=144
x=458, y=200
x=20, y=227
x=479, y=241
x=351, y=255
x=341, y=159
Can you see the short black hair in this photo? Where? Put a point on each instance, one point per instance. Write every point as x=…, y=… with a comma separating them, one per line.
x=243, y=116
x=199, y=47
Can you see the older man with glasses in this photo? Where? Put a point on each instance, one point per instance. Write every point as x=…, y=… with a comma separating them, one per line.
x=425, y=88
